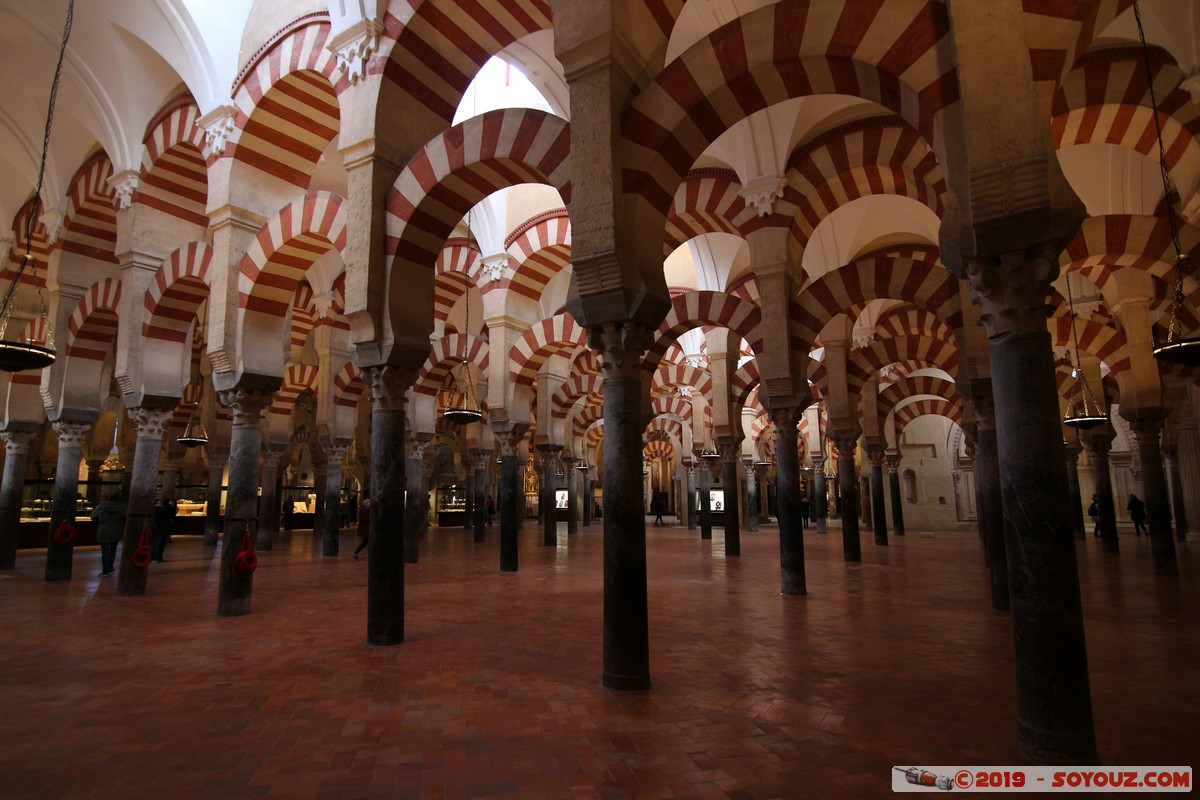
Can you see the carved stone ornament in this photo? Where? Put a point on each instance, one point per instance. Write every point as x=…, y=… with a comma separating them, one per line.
x=762, y=193
x=355, y=46
x=494, y=266
x=508, y=447
x=414, y=449
x=620, y=347
x=151, y=423
x=1012, y=288
x=123, y=185
x=247, y=405
x=17, y=442
x=387, y=385
x=218, y=126
x=71, y=434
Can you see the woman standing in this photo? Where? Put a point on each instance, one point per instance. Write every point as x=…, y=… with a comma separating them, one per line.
x=109, y=517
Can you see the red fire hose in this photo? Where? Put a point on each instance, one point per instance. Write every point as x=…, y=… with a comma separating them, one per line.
x=141, y=555
x=245, y=562
x=65, y=532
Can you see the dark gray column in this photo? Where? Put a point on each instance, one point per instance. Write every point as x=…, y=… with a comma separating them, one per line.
x=469, y=490
x=1098, y=448
x=1053, y=690
x=1071, y=455
x=217, y=459
x=572, y=495
x=151, y=422
x=482, y=461
x=893, y=469
x=247, y=402
x=414, y=491
x=589, y=498
x=878, y=505
x=705, y=511
x=848, y=483
x=820, y=499
x=385, y=570
x=689, y=464
x=1179, y=511
x=1158, y=503
x=16, y=450
x=549, y=515
x=510, y=491
x=626, y=651
x=320, y=501
x=730, y=453
x=268, y=501
x=752, y=507
x=335, y=454
x=989, y=502
x=71, y=435
x=787, y=502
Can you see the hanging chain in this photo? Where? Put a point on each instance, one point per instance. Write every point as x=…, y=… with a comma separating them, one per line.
x=1175, y=329
x=31, y=220
x=1081, y=379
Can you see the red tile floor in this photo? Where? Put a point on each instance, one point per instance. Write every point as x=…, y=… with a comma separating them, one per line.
x=495, y=693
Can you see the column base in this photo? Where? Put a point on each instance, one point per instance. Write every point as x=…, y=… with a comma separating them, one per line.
x=626, y=683
x=1044, y=748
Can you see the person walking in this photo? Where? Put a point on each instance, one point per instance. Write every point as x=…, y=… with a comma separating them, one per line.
x=109, y=517
x=804, y=507
x=1094, y=513
x=1137, y=513
x=364, y=527
x=164, y=522
x=656, y=505
x=490, y=505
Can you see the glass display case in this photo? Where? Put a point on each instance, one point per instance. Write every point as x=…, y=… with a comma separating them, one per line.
x=450, y=505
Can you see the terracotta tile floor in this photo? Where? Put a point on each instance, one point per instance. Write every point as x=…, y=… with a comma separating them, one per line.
x=495, y=693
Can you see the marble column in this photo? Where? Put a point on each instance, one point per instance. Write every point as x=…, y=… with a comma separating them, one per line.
x=482, y=460
x=1171, y=454
x=217, y=459
x=71, y=435
x=1071, y=454
x=689, y=465
x=385, y=568
x=820, y=499
x=751, y=497
x=989, y=499
x=12, y=490
x=572, y=495
x=549, y=515
x=469, y=490
x=1189, y=472
x=320, y=482
x=705, y=511
x=335, y=454
x=878, y=505
x=1098, y=449
x=893, y=468
x=414, y=495
x=848, y=483
x=626, y=652
x=589, y=497
x=151, y=423
x=1053, y=689
x=792, y=579
x=268, y=501
x=510, y=492
x=1158, y=503
x=522, y=510
x=247, y=404
x=730, y=454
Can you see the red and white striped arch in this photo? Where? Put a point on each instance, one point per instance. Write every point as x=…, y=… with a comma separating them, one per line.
x=1102, y=341
x=40, y=249
x=178, y=289
x=699, y=309
x=897, y=54
x=304, y=317
x=90, y=223
x=1103, y=244
x=882, y=156
x=848, y=289
x=348, y=386
x=296, y=378
x=923, y=406
x=744, y=381
x=448, y=288
x=866, y=362
x=462, y=166
x=707, y=201
x=910, y=321
x=585, y=362
x=896, y=393
x=672, y=427
x=578, y=385
x=1106, y=99
x=93, y=323
x=668, y=376
x=586, y=417
x=174, y=175
x=593, y=436
x=747, y=287
x=287, y=107
x=557, y=335
x=285, y=248
x=448, y=352
x=541, y=248
x=656, y=449
x=671, y=404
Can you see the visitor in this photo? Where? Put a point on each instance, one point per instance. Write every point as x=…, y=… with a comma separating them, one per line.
x=656, y=507
x=490, y=505
x=164, y=521
x=804, y=508
x=364, y=527
x=1094, y=513
x=109, y=517
x=1137, y=513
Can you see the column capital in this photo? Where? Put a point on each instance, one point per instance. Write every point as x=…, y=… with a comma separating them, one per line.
x=151, y=422
x=483, y=459
x=414, y=448
x=1099, y=447
x=247, y=404
x=785, y=419
x=1146, y=428
x=508, y=442
x=893, y=464
x=270, y=457
x=71, y=434
x=387, y=384
x=731, y=450
x=620, y=346
x=1011, y=288
x=875, y=455
x=17, y=442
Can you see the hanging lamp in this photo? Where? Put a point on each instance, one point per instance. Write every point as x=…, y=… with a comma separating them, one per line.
x=709, y=453
x=1087, y=414
x=468, y=410
x=1177, y=348
x=17, y=355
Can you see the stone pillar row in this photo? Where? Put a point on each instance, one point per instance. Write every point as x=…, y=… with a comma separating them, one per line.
x=848, y=484
x=71, y=436
x=820, y=500
x=385, y=567
x=730, y=453
x=878, y=505
x=893, y=468
x=335, y=454
x=151, y=423
x=792, y=580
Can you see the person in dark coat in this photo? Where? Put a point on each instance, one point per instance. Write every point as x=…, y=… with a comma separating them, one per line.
x=1137, y=513
x=164, y=523
x=1094, y=513
x=109, y=517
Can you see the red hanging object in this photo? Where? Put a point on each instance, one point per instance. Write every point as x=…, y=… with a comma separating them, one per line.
x=245, y=562
x=65, y=532
x=141, y=554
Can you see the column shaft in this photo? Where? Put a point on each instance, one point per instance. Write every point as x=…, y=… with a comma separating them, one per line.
x=1098, y=449
x=1077, y=524
x=268, y=501
x=59, y=557
x=572, y=497
x=751, y=498
x=792, y=579
x=481, y=485
x=705, y=502
x=385, y=570
x=820, y=500
x=848, y=484
x=151, y=424
x=234, y=594
x=212, y=500
x=733, y=533
x=989, y=506
x=878, y=504
x=691, y=497
x=331, y=528
x=414, y=500
x=509, y=494
x=897, y=497
x=1158, y=508
x=1177, y=507
x=16, y=446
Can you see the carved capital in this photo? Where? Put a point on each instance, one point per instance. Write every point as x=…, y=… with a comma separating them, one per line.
x=483, y=460
x=1099, y=448
x=762, y=193
x=1146, y=428
x=730, y=451
x=247, y=404
x=218, y=126
x=493, y=267
x=507, y=441
x=620, y=347
x=387, y=385
x=123, y=185
x=151, y=423
x=17, y=442
x=1011, y=288
x=893, y=464
x=270, y=457
x=71, y=434
x=414, y=449
x=355, y=46
x=845, y=443
x=875, y=456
